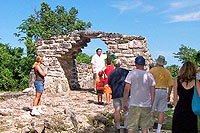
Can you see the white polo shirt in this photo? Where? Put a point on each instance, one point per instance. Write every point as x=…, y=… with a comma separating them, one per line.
x=98, y=62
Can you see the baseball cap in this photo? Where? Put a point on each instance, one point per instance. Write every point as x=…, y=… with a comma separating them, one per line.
x=140, y=60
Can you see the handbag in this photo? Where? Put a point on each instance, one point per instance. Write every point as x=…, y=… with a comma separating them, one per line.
x=196, y=102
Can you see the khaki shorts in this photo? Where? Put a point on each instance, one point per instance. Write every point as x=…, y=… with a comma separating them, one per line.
x=160, y=100
x=119, y=102
x=139, y=117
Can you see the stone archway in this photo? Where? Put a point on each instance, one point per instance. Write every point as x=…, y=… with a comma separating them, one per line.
x=60, y=51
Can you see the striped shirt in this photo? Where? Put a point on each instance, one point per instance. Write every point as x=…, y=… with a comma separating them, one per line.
x=99, y=83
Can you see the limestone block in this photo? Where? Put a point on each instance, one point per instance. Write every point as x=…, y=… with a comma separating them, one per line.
x=76, y=38
x=118, y=54
x=48, y=41
x=129, y=51
x=66, y=46
x=128, y=55
x=123, y=46
x=138, y=44
x=112, y=46
x=59, y=41
x=116, y=51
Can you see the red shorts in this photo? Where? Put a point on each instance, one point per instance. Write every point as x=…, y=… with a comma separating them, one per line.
x=107, y=90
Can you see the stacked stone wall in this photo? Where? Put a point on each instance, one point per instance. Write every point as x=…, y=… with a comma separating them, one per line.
x=59, y=55
x=85, y=76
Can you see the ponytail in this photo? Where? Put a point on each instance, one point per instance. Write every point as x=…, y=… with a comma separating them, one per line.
x=38, y=59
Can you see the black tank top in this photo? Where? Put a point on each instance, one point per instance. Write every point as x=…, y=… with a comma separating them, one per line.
x=39, y=77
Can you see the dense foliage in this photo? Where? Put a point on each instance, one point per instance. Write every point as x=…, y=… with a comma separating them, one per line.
x=83, y=58
x=12, y=68
x=173, y=69
x=188, y=54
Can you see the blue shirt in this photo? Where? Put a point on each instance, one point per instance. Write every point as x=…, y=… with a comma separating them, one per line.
x=116, y=82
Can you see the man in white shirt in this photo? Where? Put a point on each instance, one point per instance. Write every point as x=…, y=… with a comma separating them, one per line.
x=141, y=85
x=98, y=61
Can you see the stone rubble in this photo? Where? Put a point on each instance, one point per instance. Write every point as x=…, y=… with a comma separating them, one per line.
x=67, y=112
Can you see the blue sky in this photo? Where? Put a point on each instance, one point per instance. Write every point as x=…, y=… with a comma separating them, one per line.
x=166, y=24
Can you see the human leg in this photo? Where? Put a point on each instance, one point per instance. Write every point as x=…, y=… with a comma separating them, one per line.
x=110, y=96
x=162, y=107
x=116, y=105
x=35, y=103
x=37, y=100
x=39, y=85
x=160, y=121
x=146, y=119
x=117, y=117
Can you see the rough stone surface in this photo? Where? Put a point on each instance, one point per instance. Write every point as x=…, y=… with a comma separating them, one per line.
x=60, y=51
x=68, y=112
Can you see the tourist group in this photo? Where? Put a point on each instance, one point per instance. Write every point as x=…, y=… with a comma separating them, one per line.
x=139, y=93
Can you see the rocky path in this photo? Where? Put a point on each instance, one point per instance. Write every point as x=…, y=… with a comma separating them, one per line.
x=68, y=112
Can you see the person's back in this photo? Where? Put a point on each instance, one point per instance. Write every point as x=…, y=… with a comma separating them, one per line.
x=140, y=81
x=108, y=69
x=116, y=82
x=184, y=119
x=162, y=76
x=141, y=85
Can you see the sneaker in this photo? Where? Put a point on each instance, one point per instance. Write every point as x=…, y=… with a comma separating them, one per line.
x=35, y=113
x=40, y=110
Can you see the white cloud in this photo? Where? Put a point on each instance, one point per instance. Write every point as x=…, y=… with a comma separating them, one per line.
x=178, y=5
x=185, y=17
x=148, y=8
x=126, y=5
x=184, y=4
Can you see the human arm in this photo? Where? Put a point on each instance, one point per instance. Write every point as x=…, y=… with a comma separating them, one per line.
x=104, y=70
x=169, y=93
x=175, y=94
x=152, y=94
x=38, y=68
x=126, y=92
x=111, y=50
x=92, y=68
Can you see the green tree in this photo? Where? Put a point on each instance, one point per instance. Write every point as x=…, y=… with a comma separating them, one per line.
x=46, y=23
x=187, y=54
x=83, y=58
x=173, y=69
x=12, y=74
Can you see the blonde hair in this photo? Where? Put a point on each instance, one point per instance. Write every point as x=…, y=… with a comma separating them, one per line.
x=38, y=60
x=117, y=62
x=187, y=72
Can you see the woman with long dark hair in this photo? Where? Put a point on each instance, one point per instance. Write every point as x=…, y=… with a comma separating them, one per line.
x=184, y=120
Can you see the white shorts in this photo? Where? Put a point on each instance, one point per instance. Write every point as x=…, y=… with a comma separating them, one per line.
x=160, y=100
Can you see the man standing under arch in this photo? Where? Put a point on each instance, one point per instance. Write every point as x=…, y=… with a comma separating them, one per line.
x=98, y=62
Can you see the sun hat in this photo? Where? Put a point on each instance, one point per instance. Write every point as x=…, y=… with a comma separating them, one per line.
x=161, y=60
x=140, y=60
